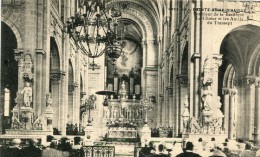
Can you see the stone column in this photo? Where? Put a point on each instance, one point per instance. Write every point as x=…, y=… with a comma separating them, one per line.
x=250, y=106
x=38, y=105
x=177, y=111
x=77, y=88
x=257, y=111
x=232, y=123
x=18, y=53
x=171, y=105
x=56, y=79
x=240, y=129
x=217, y=61
x=183, y=84
x=225, y=92
x=195, y=111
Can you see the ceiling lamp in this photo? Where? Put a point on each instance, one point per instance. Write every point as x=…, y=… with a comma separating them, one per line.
x=94, y=29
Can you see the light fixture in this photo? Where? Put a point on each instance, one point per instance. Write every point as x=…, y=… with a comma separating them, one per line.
x=95, y=29
x=106, y=93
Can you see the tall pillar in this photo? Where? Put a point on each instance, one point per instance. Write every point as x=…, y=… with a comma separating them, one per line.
x=176, y=107
x=196, y=94
x=56, y=80
x=250, y=106
x=39, y=104
x=257, y=111
x=19, y=58
x=77, y=89
x=217, y=59
x=225, y=92
x=171, y=105
x=231, y=126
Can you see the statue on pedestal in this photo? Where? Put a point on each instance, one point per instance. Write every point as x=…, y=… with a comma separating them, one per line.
x=27, y=95
x=48, y=100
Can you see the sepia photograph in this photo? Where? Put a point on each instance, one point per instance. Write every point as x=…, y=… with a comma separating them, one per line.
x=130, y=78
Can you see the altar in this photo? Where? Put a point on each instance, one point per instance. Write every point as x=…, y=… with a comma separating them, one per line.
x=124, y=117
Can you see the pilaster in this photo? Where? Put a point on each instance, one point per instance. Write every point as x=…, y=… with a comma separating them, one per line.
x=225, y=92
x=257, y=111
x=38, y=81
x=250, y=106
x=232, y=123
x=196, y=107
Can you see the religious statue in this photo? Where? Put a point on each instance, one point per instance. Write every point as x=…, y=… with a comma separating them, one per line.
x=48, y=100
x=208, y=70
x=27, y=94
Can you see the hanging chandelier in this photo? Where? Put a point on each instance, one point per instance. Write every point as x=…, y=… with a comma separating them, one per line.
x=95, y=29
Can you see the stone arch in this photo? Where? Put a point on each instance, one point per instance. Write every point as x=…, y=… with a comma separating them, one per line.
x=55, y=62
x=15, y=31
x=9, y=66
x=140, y=15
x=240, y=48
x=253, y=68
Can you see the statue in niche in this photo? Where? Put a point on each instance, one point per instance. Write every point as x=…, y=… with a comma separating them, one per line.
x=27, y=95
x=48, y=100
x=27, y=72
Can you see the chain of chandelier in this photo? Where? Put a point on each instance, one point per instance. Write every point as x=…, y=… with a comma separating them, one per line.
x=95, y=30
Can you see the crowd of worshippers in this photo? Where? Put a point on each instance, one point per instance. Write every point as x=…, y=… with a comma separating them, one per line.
x=200, y=148
x=47, y=149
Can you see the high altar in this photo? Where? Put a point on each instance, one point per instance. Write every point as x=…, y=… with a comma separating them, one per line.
x=124, y=117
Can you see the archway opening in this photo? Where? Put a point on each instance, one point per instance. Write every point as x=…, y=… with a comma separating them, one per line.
x=9, y=66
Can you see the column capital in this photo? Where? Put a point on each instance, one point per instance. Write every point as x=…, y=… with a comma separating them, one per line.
x=257, y=82
x=195, y=56
x=217, y=60
x=225, y=91
x=39, y=51
x=169, y=89
x=250, y=80
x=18, y=54
x=72, y=87
x=232, y=92
x=57, y=76
x=183, y=79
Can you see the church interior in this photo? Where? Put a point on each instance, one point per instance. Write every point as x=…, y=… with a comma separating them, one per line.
x=138, y=78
